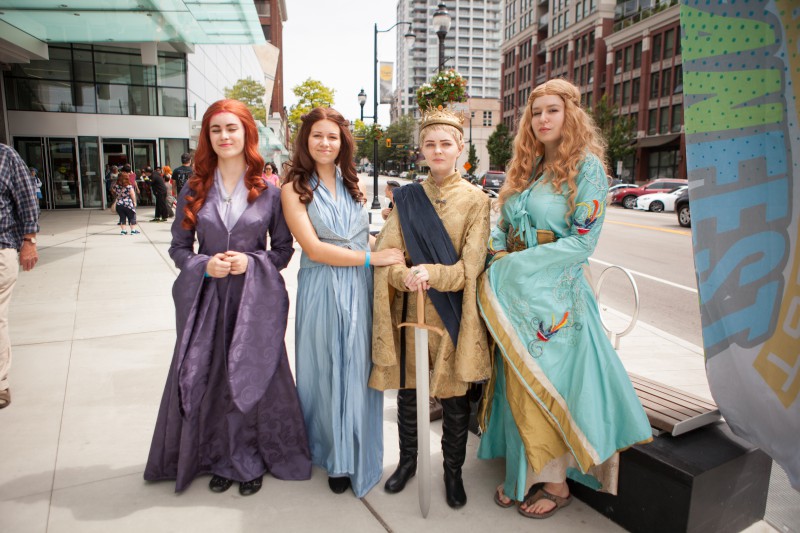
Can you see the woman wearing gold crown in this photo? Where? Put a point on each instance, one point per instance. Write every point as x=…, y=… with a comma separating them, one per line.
x=560, y=404
x=442, y=226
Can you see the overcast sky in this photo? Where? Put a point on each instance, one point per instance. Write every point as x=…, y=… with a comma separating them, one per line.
x=333, y=42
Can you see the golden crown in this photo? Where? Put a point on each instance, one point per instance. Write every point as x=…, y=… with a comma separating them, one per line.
x=441, y=115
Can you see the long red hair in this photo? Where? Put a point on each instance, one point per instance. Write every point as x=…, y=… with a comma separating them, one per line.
x=205, y=160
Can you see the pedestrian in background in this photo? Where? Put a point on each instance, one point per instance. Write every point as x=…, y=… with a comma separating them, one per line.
x=562, y=401
x=230, y=407
x=125, y=201
x=159, y=190
x=271, y=174
x=182, y=174
x=37, y=183
x=19, y=224
x=324, y=208
x=442, y=225
x=391, y=185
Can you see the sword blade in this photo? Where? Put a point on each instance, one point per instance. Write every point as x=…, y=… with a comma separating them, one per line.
x=423, y=421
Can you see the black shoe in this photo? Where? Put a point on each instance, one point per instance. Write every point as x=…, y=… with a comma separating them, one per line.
x=339, y=484
x=406, y=469
x=454, y=490
x=155, y=220
x=248, y=488
x=219, y=484
x=407, y=431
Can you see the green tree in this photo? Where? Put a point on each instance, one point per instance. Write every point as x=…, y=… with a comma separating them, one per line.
x=401, y=132
x=472, y=159
x=310, y=94
x=499, y=145
x=619, y=132
x=250, y=93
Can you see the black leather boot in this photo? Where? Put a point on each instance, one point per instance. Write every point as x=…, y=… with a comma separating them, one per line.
x=455, y=429
x=407, y=429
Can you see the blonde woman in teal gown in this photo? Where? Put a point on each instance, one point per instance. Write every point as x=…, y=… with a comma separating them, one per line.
x=560, y=403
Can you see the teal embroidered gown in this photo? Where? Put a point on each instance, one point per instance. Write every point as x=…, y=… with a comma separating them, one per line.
x=333, y=336
x=561, y=402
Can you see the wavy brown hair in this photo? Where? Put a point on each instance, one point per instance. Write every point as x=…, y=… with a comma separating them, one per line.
x=205, y=160
x=579, y=135
x=123, y=179
x=303, y=166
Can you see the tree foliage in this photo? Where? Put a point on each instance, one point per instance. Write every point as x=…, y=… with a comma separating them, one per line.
x=401, y=132
x=619, y=132
x=499, y=146
x=310, y=94
x=250, y=93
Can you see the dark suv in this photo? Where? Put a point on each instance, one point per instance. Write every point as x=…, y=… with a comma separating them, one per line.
x=627, y=197
x=492, y=180
x=682, y=209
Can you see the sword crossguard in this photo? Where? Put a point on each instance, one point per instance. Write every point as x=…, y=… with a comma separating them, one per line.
x=420, y=323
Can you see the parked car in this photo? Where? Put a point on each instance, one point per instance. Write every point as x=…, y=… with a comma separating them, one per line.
x=659, y=201
x=627, y=197
x=404, y=175
x=614, y=188
x=392, y=174
x=682, y=209
x=492, y=180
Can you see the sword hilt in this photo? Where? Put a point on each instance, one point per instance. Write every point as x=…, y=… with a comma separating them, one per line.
x=420, y=323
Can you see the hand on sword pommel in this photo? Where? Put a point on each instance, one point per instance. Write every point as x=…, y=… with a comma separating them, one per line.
x=417, y=278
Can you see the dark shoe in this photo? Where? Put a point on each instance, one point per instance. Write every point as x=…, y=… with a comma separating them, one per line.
x=436, y=409
x=406, y=469
x=219, y=484
x=407, y=431
x=339, y=484
x=248, y=488
x=455, y=429
x=155, y=220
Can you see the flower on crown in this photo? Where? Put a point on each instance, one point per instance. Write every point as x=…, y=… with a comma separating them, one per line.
x=441, y=115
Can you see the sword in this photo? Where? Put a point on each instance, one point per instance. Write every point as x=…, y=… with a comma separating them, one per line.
x=423, y=405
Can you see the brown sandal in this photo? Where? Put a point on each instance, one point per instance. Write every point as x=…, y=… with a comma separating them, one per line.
x=543, y=494
x=499, y=500
x=5, y=398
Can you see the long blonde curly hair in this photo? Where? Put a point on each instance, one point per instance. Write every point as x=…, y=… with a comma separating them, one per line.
x=579, y=136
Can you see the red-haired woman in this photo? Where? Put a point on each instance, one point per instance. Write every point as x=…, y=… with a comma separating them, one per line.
x=230, y=407
x=324, y=208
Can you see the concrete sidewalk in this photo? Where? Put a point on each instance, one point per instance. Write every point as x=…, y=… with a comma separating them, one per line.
x=93, y=328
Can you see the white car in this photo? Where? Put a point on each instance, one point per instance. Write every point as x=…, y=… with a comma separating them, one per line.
x=659, y=201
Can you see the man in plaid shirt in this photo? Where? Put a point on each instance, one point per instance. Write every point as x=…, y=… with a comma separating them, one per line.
x=19, y=224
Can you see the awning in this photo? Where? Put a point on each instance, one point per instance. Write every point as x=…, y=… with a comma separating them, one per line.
x=26, y=26
x=656, y=140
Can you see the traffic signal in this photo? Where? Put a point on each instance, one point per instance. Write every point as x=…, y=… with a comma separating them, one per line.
x=388, y=142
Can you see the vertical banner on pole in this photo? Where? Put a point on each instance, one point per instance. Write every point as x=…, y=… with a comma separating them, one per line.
x=741, y=65
x=387, y=73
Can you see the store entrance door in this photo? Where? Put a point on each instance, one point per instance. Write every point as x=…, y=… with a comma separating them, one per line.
x=58, y=169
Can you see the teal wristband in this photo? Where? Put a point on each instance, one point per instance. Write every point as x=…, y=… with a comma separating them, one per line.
x=366, y=260
x=206, y=275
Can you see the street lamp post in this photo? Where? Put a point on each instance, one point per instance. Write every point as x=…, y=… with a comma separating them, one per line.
x=362, y=99
x=409, y=38
x=441, y=21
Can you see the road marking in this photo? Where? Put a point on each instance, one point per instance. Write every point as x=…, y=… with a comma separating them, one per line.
x=647, y=276
x=654, y=228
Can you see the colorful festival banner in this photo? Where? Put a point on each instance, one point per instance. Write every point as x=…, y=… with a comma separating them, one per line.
x=387, y=73
x=741, y=66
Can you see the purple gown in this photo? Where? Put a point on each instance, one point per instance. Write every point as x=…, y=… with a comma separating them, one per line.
x=230, y=406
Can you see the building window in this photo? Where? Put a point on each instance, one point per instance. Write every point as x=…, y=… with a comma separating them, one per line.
x=654, y=85
x=99, y=79
x=616, y=93
x=652, y=118
x=677, y=118
x=637, y=55
x=656, y=50
x=618, y=61
x=487, y=118
x=663, y=120
x=626, y=93
x=588, y=99
x=635, y=87
x=678, y=79
x=666, y=87
x=669, y=43
x=628, y=58
x=262, y=8
x=267, y=29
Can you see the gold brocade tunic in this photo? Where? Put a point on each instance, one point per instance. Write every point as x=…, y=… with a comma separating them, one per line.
x=464, y=211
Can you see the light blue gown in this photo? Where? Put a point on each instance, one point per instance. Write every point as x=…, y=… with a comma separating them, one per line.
x=344, y=417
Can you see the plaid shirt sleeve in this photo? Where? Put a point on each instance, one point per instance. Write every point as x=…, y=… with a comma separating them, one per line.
x=21, y=204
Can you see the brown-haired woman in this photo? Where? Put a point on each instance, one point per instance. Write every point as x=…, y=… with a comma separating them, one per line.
x=561, y=402
x=324, y=208
x=230, y=407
